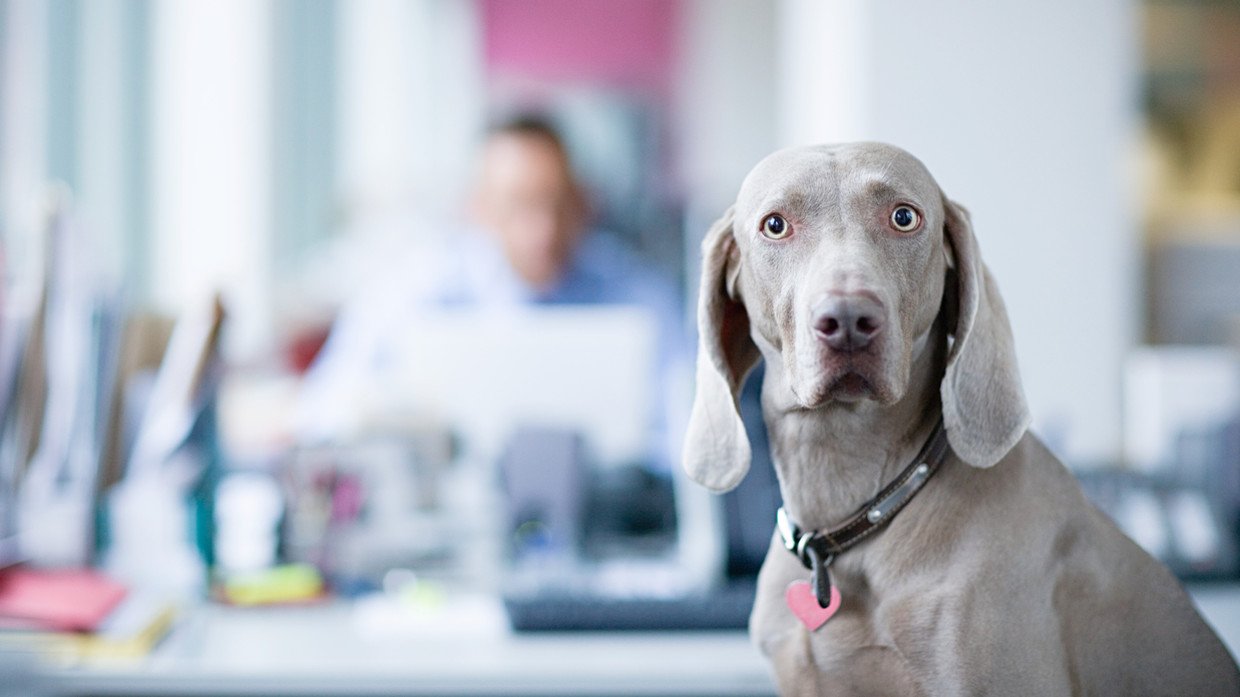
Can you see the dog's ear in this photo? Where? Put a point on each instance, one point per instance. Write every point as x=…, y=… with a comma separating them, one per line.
x=716, y=453
x=984, y=406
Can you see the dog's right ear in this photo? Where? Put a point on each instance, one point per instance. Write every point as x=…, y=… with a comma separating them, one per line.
x=716, y=453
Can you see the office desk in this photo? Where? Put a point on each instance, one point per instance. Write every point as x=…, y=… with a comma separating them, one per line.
x=319, y=651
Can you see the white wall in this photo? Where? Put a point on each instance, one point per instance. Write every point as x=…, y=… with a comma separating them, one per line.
x=23, y=105
x=410, y=103
x=1026, y=114
x=210, y=183
x=727, y=99
x=726, y=111
x=101, y=185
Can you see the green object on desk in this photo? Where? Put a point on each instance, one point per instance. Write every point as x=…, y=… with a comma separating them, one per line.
x=292, y=583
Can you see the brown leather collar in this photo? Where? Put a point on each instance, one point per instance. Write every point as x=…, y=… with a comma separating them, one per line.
x=818, y=548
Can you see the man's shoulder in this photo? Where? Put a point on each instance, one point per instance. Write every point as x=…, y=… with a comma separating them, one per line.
x=606, y=255
x=607, y=270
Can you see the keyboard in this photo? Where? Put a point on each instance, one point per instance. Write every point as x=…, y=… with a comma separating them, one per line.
x=726, y=607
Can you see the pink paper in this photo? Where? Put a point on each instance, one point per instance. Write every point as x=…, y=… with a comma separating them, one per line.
x=61, y=600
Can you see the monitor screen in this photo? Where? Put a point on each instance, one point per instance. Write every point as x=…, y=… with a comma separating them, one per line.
x=587, y=368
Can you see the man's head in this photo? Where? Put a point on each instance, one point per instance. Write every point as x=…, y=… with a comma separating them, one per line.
x=525, y=194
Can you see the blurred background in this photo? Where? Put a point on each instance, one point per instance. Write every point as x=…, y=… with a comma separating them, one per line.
x=196, y=197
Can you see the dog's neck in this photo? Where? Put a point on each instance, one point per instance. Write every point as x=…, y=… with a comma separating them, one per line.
x=833, y=459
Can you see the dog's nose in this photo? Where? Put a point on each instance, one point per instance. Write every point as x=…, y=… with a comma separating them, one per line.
x=849, y=322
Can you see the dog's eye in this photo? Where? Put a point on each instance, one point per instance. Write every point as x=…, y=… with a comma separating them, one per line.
x=905, y=219
x=774, y=227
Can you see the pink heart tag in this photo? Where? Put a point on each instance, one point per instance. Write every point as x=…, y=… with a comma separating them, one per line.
x=804, y=604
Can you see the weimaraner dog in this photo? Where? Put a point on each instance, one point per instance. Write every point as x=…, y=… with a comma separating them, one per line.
x=860, y=284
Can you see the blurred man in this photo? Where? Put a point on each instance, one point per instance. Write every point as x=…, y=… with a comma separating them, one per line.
x=529, y=244
x=528, y=199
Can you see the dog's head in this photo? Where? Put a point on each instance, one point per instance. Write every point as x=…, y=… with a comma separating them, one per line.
x=834, y=263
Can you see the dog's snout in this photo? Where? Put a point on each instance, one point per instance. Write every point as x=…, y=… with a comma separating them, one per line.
x=848, y=322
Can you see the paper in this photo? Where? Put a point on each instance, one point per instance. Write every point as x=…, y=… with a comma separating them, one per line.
x=62, y=600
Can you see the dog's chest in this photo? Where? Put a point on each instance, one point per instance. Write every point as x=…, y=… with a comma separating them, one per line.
x=877, y=643
x=889, y=648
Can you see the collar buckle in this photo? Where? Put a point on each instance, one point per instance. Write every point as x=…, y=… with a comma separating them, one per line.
x=788, y=530
x=795, y=540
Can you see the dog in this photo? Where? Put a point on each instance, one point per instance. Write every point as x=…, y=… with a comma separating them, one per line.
x=982, y=570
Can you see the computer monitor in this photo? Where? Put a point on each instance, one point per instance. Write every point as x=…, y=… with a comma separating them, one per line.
x=591, y=369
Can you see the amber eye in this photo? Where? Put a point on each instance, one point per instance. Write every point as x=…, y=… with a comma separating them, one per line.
x=774, y=227
x=905, y=219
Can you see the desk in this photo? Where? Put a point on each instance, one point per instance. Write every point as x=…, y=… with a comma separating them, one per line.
x=317, y=651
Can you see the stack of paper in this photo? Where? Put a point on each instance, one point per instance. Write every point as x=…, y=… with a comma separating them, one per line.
x=77, y=614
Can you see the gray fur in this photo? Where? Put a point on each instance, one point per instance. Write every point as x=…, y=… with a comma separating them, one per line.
x=999, y=578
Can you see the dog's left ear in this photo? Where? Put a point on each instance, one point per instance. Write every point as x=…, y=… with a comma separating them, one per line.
x=717, y=453
x=984, y=407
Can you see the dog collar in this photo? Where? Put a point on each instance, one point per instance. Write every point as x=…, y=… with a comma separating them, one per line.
x=818, y=548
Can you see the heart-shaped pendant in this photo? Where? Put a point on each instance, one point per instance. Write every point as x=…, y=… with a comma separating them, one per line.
x=803, y=603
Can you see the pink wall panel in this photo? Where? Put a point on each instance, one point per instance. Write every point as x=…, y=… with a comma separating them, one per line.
x=627, y=42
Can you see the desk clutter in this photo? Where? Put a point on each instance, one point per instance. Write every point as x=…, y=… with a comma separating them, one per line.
x=142, y=478
x=105, y=451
